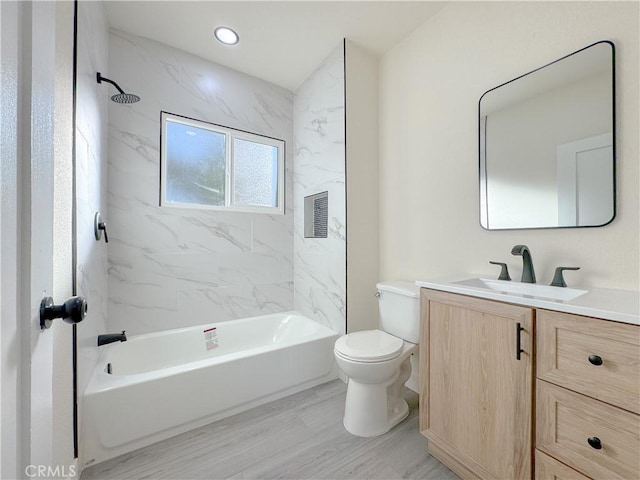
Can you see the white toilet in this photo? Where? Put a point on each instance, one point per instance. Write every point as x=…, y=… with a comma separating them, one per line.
x=377, y=362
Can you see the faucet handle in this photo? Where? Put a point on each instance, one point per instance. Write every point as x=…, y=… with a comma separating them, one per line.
x=504, y=272
x=558, y=278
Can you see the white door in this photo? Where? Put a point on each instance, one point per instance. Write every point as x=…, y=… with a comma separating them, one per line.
x=585, y=181
x=35, y=152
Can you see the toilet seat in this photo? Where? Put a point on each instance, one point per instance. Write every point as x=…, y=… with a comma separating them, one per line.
x=369, y=346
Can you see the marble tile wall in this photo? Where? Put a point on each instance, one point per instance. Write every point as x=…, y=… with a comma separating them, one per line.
x=319, y=165
x=173, y=267
x=91, y=185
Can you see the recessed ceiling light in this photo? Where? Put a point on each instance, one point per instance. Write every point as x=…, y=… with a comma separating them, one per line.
x=226, y=35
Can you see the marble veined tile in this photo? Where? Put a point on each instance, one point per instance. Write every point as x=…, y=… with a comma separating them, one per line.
x=199, y=306
x=206, y=263
x=91, y=184
x=319, y=165
x=254, y=268
x=209, y=235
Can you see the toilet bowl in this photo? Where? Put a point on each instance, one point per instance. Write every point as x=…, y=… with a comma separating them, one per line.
x=377, y=362
x=374, y=401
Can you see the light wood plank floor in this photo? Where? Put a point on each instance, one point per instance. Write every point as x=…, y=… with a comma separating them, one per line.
x=297, y=437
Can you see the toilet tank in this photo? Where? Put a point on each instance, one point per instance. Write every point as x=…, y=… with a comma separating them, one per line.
x=399, y=305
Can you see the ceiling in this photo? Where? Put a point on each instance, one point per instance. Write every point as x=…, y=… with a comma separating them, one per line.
x=280, y=41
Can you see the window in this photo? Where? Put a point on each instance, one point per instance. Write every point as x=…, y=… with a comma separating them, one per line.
x=208, y=166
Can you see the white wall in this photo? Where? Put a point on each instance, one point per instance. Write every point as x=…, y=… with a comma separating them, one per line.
x=35, y=193
x=319, y=165
x=361, y=98
x=429, y=90
x=172, y=267
x=13, y=372
x=91, y=185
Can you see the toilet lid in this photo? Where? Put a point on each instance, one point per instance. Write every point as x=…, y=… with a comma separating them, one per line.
x=369, y=346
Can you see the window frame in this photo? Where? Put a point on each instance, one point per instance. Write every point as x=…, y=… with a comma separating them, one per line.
x=230, y=134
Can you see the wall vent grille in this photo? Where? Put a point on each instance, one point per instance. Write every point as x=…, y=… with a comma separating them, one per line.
x=316, y=215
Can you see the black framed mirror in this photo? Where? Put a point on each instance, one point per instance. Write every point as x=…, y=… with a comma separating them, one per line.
x=547, y=145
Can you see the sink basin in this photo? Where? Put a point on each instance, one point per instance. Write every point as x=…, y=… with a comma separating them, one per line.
x=532, y=290
x=609, y=304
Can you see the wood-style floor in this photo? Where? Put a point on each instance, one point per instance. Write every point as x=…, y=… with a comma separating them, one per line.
x=298, y=437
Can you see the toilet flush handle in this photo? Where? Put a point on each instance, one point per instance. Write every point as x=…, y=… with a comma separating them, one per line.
x=377, y=294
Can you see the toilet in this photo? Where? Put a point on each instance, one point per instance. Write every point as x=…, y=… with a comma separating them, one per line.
x=377, y=362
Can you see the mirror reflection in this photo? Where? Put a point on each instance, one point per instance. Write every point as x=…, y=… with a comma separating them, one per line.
x=547, y=145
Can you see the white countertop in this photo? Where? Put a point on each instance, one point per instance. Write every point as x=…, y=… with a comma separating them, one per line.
x=609, y=304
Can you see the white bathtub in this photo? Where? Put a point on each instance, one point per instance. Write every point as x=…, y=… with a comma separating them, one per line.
x=166, y=383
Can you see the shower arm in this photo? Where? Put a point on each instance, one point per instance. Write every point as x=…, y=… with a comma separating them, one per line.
x=101, y=79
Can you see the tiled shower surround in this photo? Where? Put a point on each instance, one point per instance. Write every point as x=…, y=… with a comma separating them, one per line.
x=319, y=165
x=91, y=185
x=171, y=267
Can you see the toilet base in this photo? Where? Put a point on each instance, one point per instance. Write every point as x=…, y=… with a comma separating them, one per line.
x=373, y=409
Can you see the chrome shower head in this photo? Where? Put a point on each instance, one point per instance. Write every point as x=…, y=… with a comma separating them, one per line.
x=121, y=97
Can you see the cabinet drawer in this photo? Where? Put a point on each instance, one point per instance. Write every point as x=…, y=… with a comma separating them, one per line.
x=566, y=420
x=565, y=344
x=548, y=468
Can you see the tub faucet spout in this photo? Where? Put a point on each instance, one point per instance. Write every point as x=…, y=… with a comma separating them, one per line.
x=111, y=337
x=528, y=275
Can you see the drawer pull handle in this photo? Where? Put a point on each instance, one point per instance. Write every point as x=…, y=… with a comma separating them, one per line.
x=595, y=442
x=519, y=349
x=595, y=360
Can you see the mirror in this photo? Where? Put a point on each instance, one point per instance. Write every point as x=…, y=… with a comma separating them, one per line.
x=547, y=145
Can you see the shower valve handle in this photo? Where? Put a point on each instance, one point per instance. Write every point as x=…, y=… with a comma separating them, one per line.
x=98, y=227
x=103, y=226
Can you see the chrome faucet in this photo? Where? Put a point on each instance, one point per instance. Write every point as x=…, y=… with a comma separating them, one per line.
x=528, y=275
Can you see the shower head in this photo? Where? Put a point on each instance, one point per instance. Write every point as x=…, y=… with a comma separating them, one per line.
x=121, y=97
x=125, y=98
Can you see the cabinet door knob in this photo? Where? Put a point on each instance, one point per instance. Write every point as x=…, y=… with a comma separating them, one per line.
x=595, y=360
x=595, y=442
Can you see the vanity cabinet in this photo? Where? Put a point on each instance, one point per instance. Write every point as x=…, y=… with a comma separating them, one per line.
x=588, y=395
x=477, y=406
x=549, y=468
x=476, y=385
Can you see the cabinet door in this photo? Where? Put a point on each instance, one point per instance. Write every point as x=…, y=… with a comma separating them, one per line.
x=477, y=394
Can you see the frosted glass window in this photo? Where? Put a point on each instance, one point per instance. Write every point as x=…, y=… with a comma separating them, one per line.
x=196, y=165
x=203, y=165
x=255, y=173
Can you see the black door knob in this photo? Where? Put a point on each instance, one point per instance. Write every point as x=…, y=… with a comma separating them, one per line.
x=595, y=360
x=72, y=311
x=595, y=442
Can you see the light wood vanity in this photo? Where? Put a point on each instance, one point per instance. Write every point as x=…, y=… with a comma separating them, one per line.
x=515, y=392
